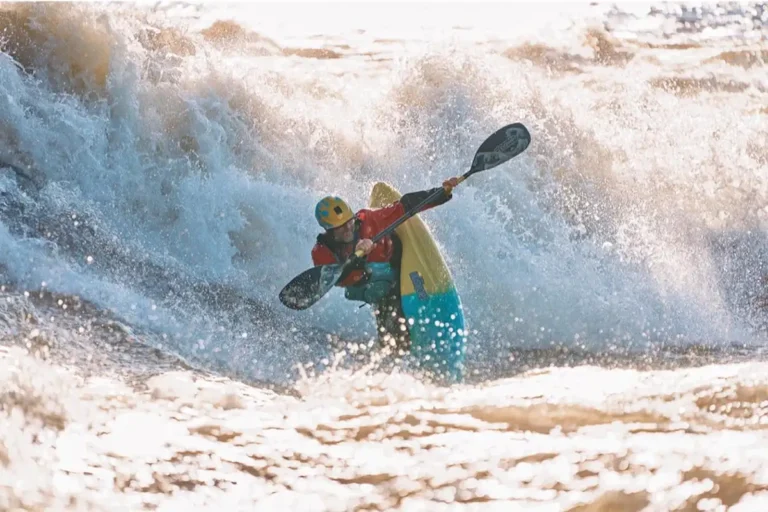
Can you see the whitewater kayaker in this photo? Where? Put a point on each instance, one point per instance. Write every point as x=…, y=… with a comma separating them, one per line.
x=375, y=281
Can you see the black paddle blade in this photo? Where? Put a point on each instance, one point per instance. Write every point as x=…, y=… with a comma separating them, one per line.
x=309, y=286
x=505, y=143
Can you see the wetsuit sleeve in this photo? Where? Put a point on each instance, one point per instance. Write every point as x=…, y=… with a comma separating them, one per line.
x=383, y=217
x=413, y=198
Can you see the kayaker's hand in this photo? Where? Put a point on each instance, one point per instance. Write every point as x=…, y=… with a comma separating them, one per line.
x=365, y=245
x=449, y=185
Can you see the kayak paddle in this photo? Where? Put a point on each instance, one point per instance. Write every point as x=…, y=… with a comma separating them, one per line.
x=308, y=287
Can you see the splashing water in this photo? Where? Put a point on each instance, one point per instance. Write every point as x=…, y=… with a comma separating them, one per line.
x=158, y=173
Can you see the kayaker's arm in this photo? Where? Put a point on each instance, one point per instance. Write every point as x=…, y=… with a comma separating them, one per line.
x=412, y=199
x=389, y=214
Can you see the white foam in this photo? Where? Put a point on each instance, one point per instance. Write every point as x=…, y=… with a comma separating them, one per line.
x=271, y=135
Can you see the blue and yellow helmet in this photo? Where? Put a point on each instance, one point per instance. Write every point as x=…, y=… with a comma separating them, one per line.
x=331, y=212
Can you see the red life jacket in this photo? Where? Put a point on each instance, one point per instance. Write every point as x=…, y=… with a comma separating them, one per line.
x=369, y=223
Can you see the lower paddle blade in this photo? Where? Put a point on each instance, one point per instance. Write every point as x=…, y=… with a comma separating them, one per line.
x=309, y=286
x=505, y=143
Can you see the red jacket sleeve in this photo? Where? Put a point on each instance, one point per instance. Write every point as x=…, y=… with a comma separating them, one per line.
x=383, y=217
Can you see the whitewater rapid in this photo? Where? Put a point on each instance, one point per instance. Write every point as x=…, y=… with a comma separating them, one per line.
x=159, y=168
x=160, y=159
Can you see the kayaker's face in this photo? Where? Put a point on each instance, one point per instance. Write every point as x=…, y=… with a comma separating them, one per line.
x=345, y=233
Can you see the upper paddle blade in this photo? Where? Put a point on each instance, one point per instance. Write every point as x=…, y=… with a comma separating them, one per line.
x=309, y=286
x=505, y=143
